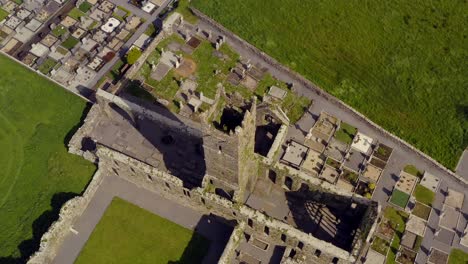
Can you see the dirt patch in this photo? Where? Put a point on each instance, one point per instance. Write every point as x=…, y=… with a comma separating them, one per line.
x=194, y=42
x=187, y=68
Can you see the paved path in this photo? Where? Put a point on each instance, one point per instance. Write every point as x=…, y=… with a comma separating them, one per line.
x=141, y=29
x=112, y=186
x=462, y=167
x=400, y=157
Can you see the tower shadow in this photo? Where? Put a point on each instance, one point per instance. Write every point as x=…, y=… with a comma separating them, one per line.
x=39, y=227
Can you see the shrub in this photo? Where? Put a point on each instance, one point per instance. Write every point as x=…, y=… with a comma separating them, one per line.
x=133, y=55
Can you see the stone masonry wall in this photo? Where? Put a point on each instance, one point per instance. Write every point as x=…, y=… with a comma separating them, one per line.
x=246, y=160
x=207, y=202
x=309, y=85
x=221, y=154
x=53, y=238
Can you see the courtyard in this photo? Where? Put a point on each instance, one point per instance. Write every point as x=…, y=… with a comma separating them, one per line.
x=129, y=234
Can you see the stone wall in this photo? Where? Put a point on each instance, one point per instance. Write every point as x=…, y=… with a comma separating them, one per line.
x=54, y=237
x=221, y=154
x=247, y=163
x=279, y=139
x=232, y=244
x=300, y=178
x=206, y=202
x=309, y=85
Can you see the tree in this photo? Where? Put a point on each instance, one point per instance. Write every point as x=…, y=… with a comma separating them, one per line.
x=133, y=55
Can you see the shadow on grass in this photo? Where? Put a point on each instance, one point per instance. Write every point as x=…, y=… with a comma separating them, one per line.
x=208, y=241
x=195, y=250
x=39, y=226
x=75, y=128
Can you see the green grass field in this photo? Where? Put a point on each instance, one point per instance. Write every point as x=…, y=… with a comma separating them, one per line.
x=76, y=13
x=3, y=14
x=346, y=133
x=401, y=63
x=411, y=169
x=38, y=174
x=457, y=256
x=70, y=42
x=47, y=66
x=399, y=198
x=129, y=234
x=85, y=7
x=424, y=195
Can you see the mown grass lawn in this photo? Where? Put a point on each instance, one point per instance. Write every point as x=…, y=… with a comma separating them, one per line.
x=411, y=169
x=457, y=256
x=424, y=195
x=76, y=13
x=129, y=234
x=401, y=63
x=59, y=31
x=346, y=133
x=47, y=66
x=70, y=42
x=37, y=173
x=399, y=198
x=85, y=6
x=3, y=14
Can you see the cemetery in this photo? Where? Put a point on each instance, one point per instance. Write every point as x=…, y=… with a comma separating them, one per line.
x=195, y=74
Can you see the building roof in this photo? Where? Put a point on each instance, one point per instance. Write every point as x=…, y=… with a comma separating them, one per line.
x=142, y=41
x=34, y=25
x=13, y=22
x=416, y=225
x=277, y=92
x=149, y=7
x=314, y=161
x=406, y=182
x=362, y=143
x=39, y=49
x=374, y=258
x=454, y=199
x=430, y=181
x=23, y=34
x=408, y=239
x=295, y=153
x=111, y=24
x=372, y=173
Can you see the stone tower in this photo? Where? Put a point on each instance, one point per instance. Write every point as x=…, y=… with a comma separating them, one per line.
x=230, y=160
